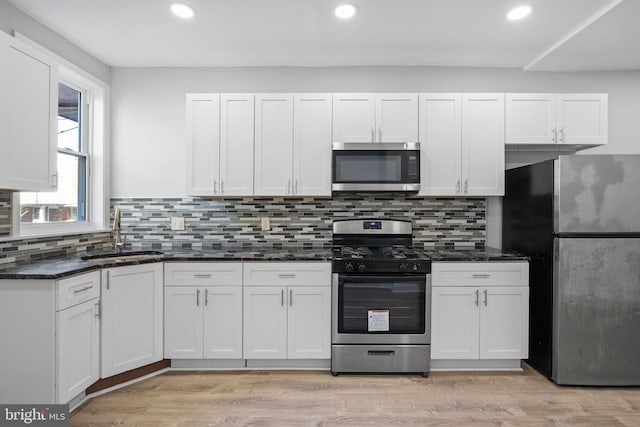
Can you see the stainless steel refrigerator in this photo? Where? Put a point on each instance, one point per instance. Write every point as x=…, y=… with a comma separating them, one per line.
x=578, y=218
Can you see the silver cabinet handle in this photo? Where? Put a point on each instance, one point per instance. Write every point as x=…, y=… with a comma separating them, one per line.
x=108, y=285
x=373, y=135
x=458, y=187
x=296, y=190
x=215, y=187
x=286, y=276
x=281, y=297
x=561, y=132
x=485, y=297
x=54, y=181
x=554, y=138
x=97, y=315
x=206, y=297
x=477, y=297
x=480, y=275
x=202, y=275
x=379, y=133
x=290, y=297
x=86, y=288
x=197, y=297
x=222, y=186
x=466, y=186
x=288, y=186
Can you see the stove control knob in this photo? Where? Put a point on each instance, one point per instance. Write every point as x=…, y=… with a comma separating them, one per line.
x=362, y=268
x=348, y=267
x=415, y=267
x=404, y=267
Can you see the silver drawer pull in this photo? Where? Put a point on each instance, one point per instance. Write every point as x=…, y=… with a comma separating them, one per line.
x=286, y=276
x=86, y=288
x=202, y=275
x=381, y=352
x=480, y=276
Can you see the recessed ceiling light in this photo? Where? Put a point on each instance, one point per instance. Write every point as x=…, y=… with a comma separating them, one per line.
x=346, y=11
x=182, y=11
x=519, y=12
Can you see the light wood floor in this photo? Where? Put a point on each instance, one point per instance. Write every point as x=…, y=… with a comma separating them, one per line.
x=309, y=398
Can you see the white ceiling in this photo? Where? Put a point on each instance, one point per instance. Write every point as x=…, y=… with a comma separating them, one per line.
x=126, y=33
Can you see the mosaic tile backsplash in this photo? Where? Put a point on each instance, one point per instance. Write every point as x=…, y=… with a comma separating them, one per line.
x=5, y=213
x=13, y=251
x=211, y=223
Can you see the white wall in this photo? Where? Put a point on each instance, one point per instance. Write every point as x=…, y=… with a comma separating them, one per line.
x=12, y=19
x=148, y=107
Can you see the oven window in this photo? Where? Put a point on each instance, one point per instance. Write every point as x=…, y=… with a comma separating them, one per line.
x=357, y=166
x=381, y=305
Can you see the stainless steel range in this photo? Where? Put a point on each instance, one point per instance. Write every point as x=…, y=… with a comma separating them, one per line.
x=381, y=298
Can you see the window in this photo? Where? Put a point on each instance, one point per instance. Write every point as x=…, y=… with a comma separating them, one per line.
x=68, y=202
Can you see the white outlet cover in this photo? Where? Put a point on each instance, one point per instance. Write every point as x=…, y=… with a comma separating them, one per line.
x=177, y=223
x=265, y=223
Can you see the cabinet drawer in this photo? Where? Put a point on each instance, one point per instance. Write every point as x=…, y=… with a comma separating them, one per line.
x=480, y=273
x=77, y=289
x=202, y=273
x=287, y=273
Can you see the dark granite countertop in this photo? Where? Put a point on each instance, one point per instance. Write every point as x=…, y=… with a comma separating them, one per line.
x=57, y=268
x=470, y=254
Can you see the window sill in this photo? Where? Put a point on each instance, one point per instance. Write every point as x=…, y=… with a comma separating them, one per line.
x=67, y=231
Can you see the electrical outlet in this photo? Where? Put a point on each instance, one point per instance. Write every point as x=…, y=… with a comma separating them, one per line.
x=177, y=223
x=265, y=223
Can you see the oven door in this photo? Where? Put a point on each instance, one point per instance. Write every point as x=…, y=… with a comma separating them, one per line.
x=381, y=309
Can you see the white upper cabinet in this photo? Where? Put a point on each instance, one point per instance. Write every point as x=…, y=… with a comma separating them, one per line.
x=369, y=117
x=203, y=144
x=483, y=144
x=440, y=143
x=312, y=144
x=28, y=110
x=236, y=144
x=274, y=145
x=462, y=144
x=583, y=118
x=574, y=119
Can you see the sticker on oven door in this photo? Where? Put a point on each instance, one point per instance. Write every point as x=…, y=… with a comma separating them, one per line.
x=378, y=321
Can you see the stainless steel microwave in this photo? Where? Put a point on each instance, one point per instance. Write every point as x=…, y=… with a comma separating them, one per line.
x=393, y=166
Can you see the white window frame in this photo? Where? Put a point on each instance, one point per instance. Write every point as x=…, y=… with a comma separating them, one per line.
x=94, y=120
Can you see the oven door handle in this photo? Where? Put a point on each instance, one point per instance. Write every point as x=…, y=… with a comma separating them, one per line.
x=381, y=352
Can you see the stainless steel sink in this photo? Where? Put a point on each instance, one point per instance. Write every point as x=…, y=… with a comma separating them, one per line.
x=119, y=256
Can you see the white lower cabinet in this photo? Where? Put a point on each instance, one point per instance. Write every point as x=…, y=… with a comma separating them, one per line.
x=78, y=341
x=480, y=311
x=131, y=317
x=50, y=338
x=287, y=310
x=203, y=311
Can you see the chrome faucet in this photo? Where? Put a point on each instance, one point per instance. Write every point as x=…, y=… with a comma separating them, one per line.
x=119, y=240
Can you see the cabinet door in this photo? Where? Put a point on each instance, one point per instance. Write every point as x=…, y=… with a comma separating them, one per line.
x=274, y=145
x=236, y=144
x=454, y=323
x=354, y=117
x=265, y=322
x=78, y=343
x=132, y=317
x=183, y=322
x=28, y=124
x=504, y=322
x=583, y=118
x=223, y=322
x=530, y=118
x=309, y=322
x=312, y=144
x=483, y=144
x=203, y=144
x=440, y=144
x=396, y=117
